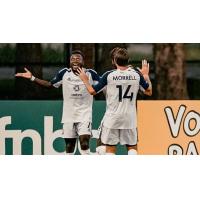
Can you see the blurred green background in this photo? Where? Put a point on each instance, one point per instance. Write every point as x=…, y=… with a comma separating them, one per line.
x=46, y=59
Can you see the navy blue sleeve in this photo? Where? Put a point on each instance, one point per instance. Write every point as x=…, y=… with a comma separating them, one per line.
x=59, y=76
x=143, y=83
x=95, y=76
x=102, y=82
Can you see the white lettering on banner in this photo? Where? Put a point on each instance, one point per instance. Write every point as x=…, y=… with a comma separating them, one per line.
x=176, y=149
x=175, y=124
x=192, y=149
x=50, y=136
x=192, y=116
x=17, y=136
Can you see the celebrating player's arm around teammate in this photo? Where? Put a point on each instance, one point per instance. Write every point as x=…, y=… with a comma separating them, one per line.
x=119, y=124
x=77, y=105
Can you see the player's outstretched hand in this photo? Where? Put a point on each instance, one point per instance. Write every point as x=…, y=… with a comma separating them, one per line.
x=81, y=73
x=145, y=68
x=26, y=74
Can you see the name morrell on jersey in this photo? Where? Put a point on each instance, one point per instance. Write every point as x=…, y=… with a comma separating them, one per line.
x=116, y=78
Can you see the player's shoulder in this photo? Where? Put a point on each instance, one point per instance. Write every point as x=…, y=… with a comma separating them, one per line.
x=61, y=73
x=135, y=70
x=109, y=72
x=90, y=70
x=63, y=70
x=105, y=76
x=93, y=73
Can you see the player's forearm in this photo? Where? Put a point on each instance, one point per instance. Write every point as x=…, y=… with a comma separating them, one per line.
x=90, y=89
x=43, y=82
x=85, y=80
x=149, y=89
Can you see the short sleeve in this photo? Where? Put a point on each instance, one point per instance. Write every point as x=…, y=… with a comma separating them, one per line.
x=95, y=76
x=57, y=80
x=102, y=82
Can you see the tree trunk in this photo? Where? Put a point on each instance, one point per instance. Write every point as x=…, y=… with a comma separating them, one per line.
x=170, y=72
x=29, y=56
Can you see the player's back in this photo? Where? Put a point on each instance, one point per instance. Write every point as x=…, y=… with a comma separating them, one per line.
x=122, y=89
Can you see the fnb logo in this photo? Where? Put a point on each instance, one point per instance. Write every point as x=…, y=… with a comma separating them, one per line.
x=17, y=136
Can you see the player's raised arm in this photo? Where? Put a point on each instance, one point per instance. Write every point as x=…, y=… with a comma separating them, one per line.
x=28, y=75
x=145, y=72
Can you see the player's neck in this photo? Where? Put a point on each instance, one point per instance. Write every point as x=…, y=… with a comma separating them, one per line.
x=122, y=67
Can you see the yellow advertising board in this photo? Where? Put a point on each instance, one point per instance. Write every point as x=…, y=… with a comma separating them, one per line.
x=168, y=127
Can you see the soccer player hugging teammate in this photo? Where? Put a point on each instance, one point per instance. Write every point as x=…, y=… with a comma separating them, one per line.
x=119, y=124
x=77, y=104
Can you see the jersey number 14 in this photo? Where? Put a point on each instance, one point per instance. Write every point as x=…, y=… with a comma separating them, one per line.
x=125, y=95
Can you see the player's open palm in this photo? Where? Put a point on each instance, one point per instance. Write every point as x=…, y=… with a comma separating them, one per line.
x=145, y=67
x=26, y=74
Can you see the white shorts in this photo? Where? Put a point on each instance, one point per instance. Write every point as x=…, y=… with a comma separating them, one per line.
x=73, y=130
x=115, y=136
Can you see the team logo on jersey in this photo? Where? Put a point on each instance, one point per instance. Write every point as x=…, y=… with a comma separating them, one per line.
x=69, y=79
x=76, y=88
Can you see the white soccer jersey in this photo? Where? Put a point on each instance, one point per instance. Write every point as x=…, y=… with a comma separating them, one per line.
x=122, y=88
x=77, y=104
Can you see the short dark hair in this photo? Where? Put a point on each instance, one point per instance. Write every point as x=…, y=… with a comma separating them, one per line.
x=78, y=52
x=121, y=57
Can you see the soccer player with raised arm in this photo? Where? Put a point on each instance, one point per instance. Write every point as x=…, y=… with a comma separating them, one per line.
x=119, y=124
x=77, y=105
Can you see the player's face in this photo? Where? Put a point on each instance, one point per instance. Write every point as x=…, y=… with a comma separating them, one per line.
x=76, y=60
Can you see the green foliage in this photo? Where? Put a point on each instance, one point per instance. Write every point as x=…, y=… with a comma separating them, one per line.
x=192, y=51
x=138, y=57
x=50, y=55
x=7, y=54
